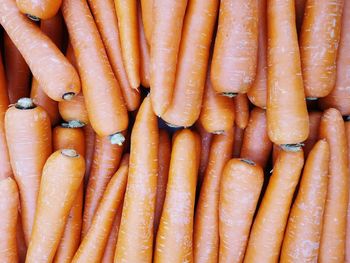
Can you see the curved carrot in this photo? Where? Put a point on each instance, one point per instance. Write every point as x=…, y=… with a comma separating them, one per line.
x=287, y=118
x=240, y=189
x=256, y=145
x=147, y=18
x=58, y=77
x=267, y=232
x=236, y=47
x=299, y=13
x=174, y=238
x=238, y=140
x=241, y=104
x=206, y=239
x=257, y=93
x=107, y=23
x=89, y=150
x=43, y=9
x=168, y=16
x=319, y=45
x=332, y=248
x=145, y=62
x=64, y=172
x=140, y=196
x=347, y=241
x=303, y=233
x=9, y=202
x=314, y=127
x=28, y=134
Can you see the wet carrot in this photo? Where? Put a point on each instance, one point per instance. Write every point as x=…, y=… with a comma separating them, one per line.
x=43, y=9
x=241, y=106
x=238, y=140
x=145, y=62
x=314, y=127
x=147, y=18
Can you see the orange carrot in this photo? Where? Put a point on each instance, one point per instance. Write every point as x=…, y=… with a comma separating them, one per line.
x=144, y=53
x=62, y=176
x=314, y=127
x=287, y=118
x=299, y=13
x=238, y=141
x=74, y=109
x=241, y=103
x=9, y=202
x=206, y=239
x=28, y=134
x=347, y=241
x=43, y=9
x=267, y=232
x=147, y=18
x=140, y=196
x=276, y=149
x=303, y=234
x=54, y=29
x=332, y=247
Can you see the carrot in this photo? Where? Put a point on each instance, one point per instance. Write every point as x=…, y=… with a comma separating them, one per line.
x=236, y=47
x=287, y=118
x=267, y=232
x=21, y=243
x=147, y=18
x=105, y=163
x=303, y=233
x=102, y=93
x=63, y=172
x=314, y=126
x=347, y=241
x=339, y=97
x=276, y=149
x=89, y=150
x=299, y=13
x=168, y=16
x=28, y=134
x=238, y=141
x=144, y=52
x=140, y=196
x=43, y=9
x=256, y=145
x=241, y=106
x=106, y=21
x=164, y=153
x=54, y=29
x=319, y=45
x=58, y=78
x=17, y=71
x=257, y=93
x=332, y=248
x=9, y=202
x=206, y=239
x=174, y=238
x=74, y=109
x=198, y=27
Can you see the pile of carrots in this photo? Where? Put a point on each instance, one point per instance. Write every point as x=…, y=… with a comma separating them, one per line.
x=174, y=131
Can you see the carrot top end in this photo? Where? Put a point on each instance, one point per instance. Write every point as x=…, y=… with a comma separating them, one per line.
x=68, y=95
x=250, y=162
x=25, y=104
x=117, y=138
x=292, y=147
x=229, y=94
x=69, y=153
x=73, y=124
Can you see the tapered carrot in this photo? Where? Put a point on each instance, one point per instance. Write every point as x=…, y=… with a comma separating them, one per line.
x=9, y=202
x=28, y=134
x=58, y=77
x=303, y=234
x=145, y=62
x=287, y=118
x=238, y=141
x=62, y=176
x=256, y=145
x=236, y=47
x=319, y=45
x=314, y=127
x=339, y=98
x=106, y=21
x=174, y=238
x=241, y=104
x=206, y=239
x=257, y=93
x=168, y=16
x=347, y=241
x=140, y=196
x=332, y=248
x=267, y=232
x=43, y=9
x=147, y=18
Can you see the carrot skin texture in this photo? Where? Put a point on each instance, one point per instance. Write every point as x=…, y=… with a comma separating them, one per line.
x=314, y=127
x=241, y=106
x=303, y=232
x=332, y=247
x=147, y=18
x=145, y=59
x=43, y=9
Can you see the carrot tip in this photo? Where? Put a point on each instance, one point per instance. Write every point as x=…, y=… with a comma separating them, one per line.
x=68, y=95
x=218, y=132
x=250, y=162
x=229, y=94
x=311, y=99
x=73, y=124
x=117, y=138
x=292, y=147
x=25, y=104
x=69, y=153
x=34, y=18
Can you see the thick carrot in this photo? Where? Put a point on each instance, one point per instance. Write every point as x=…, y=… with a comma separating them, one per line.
x=174, y=238
x=206, y=239
x=28, y=134
x=241, y=104
x=9, y=202
x=332, y=248
x=319, y=45
x=145, y=63
x=106, y=21
x=89, y=150
x=256, y=145
x=62, y=176
x=303, y=234
x=197, y=31
x=287, y=118
x=314, y=127
x=103, y=98
x=240, y=189
x=347, y=241
x=299, y=13
x=267, y=232
x=43, y=9
x=147, y=18
x=168, y=16
x=58, y=77
x=140, y=196
x=236, y=47
x=238, y=141
x=257, y=93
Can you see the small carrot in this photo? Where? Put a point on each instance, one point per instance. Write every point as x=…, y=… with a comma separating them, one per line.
x=206, y=239
x=267, y=232
x=303, y=234
x=256, y=145
x=62, y=176
x=314, y=127
x=145, y=62
x=147, y=18
x=241, y=104
x=89, y=150
x=347, y=241
x=299, y=13
x=43, y=9
x=9, y=202
x=332, y=247
x=238, y=141
x=28, y=134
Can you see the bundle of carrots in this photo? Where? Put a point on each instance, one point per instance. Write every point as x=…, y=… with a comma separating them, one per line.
x=174, y=131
